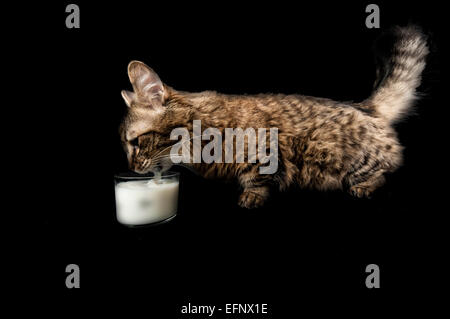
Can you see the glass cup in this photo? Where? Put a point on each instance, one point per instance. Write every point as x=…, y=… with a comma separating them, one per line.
x=146, y=199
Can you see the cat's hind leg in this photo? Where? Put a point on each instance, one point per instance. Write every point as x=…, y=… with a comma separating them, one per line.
x=368, y=186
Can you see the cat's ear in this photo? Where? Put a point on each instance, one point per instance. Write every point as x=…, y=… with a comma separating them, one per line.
x=146, y=83
x=128, y=97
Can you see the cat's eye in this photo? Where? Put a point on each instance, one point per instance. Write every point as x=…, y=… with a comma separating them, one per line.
x=134, y=142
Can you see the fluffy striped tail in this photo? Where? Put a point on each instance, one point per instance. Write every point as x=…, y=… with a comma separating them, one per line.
x=402, y=55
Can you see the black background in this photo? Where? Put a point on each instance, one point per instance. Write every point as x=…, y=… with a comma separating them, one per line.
x=304, y=249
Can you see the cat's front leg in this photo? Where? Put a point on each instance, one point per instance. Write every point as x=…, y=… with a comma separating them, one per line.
x=253, y=197
x=255, y=188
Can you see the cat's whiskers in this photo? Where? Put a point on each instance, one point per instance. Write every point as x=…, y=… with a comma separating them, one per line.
x=161, y=158
x=154, y=162
x=145, y=163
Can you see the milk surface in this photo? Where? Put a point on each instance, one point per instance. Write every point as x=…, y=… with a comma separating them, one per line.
x=146, y=201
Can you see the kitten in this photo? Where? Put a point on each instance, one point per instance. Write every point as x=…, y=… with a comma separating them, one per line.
x=323, y=144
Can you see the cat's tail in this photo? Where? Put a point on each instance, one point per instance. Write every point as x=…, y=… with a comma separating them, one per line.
x=402, y=54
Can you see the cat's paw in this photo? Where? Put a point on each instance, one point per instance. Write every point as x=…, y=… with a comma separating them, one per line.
x=361, y=192
x=251, y=199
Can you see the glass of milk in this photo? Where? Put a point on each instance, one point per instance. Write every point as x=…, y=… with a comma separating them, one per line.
x=146, y=199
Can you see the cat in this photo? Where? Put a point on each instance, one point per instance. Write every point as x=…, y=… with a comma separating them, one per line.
x=322, y=144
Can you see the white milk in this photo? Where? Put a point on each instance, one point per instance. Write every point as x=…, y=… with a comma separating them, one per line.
x=146, y=201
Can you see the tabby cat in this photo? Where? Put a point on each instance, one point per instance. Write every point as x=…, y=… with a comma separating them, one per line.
x=322, y=144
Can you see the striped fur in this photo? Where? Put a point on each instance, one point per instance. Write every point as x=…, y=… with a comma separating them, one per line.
x=399, y=74
x=323, y=144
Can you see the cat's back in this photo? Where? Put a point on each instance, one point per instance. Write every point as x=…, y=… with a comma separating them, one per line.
x=290, y=113
x=295, y=113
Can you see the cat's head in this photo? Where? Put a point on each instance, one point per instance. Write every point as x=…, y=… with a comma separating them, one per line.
x=145, y=130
